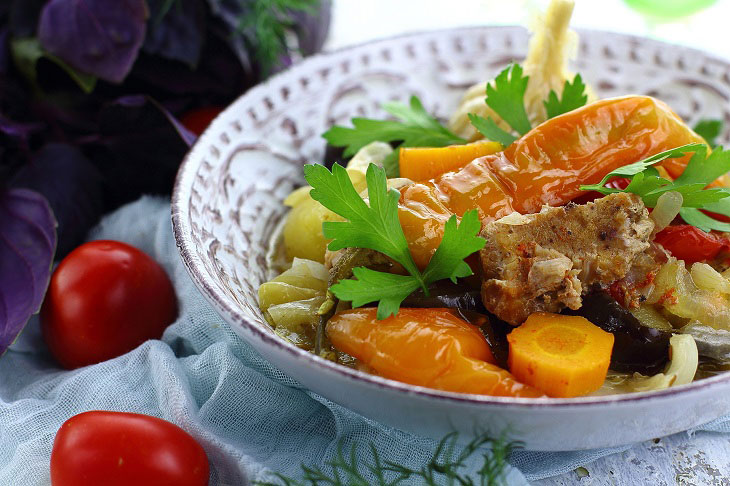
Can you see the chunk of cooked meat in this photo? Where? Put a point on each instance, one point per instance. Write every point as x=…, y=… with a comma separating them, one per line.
x=546, y=261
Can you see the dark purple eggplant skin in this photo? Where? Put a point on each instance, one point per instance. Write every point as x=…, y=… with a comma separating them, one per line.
x=335, y=155
x=494, y=331
x=447, y=295
x=636, y=348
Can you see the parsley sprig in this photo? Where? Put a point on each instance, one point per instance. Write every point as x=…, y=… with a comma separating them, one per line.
x=574, y=96
x=446, y=466
x=701, y=170
x=265, y=24
x=709, y=130
x=506, y=96
x=415, y=128
x=376, y=227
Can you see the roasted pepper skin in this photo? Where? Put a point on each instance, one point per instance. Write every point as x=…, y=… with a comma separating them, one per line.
x=427, y=347
x=546, y=166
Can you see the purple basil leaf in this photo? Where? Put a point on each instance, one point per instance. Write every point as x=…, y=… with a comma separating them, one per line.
x=178, y=33
x=73, y=187
x=18, y=130
x=98, y=37
x=15, y=143
x=4, y=51
x=139, y=149
x=28, y=54
x=230, y=13
x=218, y=79
x=27, y=243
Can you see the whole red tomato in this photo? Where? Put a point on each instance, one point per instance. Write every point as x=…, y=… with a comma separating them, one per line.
x=105, y=299
x=125, y=449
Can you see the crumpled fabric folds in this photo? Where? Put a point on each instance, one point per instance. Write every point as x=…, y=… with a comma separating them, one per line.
x=251, y=419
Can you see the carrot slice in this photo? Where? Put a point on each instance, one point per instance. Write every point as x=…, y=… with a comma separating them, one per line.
x=427, y=347
x=424, y=163
x=563, y=356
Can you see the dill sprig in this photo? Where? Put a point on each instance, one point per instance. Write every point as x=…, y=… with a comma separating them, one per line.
x=265, y=25
x=445, y=466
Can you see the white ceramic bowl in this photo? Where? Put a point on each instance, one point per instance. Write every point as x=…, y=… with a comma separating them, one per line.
x=228, y=201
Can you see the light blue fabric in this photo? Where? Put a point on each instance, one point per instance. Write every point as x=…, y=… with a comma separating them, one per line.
x=250, y=417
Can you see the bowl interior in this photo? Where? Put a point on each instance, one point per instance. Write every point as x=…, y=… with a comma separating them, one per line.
x=228, y=197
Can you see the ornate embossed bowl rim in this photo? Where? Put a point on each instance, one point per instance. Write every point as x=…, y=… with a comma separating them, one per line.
x=254, y=330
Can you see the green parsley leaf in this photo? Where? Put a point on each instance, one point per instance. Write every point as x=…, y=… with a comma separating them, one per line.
x=709, y=130
x=640, y=166
x=416, y=115
x=390, y=290
x=704, y=169
x=491, y=130
x=701, y=198
x=415, y=128
x=701, y=170
x=695, y=217
x=574, y=96
x=369, y=287
x=376, y=226
x=506, y=96
x=457, y=244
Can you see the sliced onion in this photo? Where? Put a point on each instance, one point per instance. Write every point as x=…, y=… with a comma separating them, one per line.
x=648, y=316
x=667, y=208
x=683, y=357
x=706, y=277
x=683, y=361
x=297, y=316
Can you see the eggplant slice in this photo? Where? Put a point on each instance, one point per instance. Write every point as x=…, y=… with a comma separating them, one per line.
x=636, y=348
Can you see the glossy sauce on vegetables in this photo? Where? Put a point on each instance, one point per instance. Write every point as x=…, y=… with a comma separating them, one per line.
x=427, y=347
x=546, y=166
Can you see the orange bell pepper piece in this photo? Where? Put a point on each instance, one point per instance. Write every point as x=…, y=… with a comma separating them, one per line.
x=546, y=166
x=427, y=347
x=424, y=163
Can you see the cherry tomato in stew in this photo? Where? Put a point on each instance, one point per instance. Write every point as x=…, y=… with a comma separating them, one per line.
x=105, y=299
x=690, y=243
x=122, y=449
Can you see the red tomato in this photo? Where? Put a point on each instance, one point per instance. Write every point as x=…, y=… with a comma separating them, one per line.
x=123, y=449
x=198, y=120
x=105, y=299
x=690, y=243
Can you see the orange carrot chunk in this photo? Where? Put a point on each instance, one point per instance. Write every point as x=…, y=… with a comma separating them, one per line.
x=427, y=347
x=563, y=356
x=424, y=163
